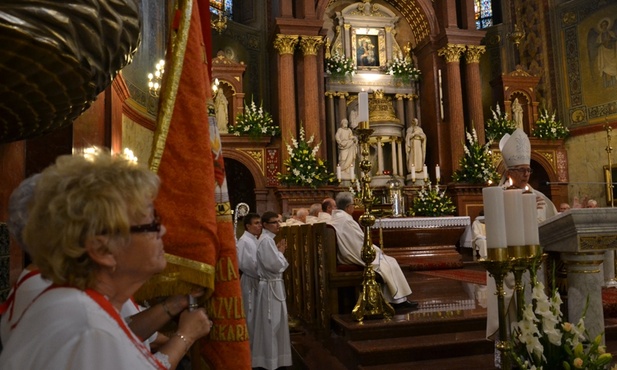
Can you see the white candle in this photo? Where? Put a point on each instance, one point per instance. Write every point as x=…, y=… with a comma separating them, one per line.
x=530, y=219
x=363, y=106
x=413, y=172
x=440, y=95
x=338, y=172
x=358, y=186
x=352, y=173
x=437, y=172
x=425, y=172
x=513, y=205
x=494, y=217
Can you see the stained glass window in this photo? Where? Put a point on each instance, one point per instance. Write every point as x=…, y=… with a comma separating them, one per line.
x=221, y=5
x=484, y=13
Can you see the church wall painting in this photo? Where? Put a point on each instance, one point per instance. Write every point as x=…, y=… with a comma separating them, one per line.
x=590, y=63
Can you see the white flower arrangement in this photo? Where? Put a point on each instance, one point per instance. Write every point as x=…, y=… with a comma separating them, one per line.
x=547, y=127
x=404, y=69
x=339, y=66
x=255, y=122
x=303, y=167
x=477, y=166
x=432, y=202
x=499, y=124
x=543, y=340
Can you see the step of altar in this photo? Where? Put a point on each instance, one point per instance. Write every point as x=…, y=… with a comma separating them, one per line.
x=410, y=338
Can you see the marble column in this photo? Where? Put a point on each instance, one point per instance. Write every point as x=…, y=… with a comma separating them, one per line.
x=400, y=157
x=309, y=46
x=585, y=283
x=285, y=45
x=412, y=112
x=331, y=126
x=393, y=151
x=379, y=156
x=454, y=95
x=400, y=108
x=472, y=86
x=342, y=107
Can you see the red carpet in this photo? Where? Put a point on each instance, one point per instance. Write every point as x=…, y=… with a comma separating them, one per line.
x=468, y=276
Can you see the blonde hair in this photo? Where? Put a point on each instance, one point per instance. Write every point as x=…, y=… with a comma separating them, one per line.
x=78, y=198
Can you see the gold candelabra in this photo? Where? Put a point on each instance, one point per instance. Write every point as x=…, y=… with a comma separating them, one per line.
x=219, y=23
x=154, y=79
x=500, y=261
x=371, y=302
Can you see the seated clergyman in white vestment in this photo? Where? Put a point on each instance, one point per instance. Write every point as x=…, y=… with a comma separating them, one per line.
x=350, y=238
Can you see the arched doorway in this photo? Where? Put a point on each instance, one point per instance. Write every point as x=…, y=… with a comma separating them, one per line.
x=241, y=184
x=540, y=180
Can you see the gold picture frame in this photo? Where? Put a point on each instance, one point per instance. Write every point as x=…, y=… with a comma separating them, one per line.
x=609, y=179
x=369, y=48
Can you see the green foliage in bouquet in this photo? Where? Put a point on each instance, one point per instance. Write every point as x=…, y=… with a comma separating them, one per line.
x=547, y=127
x=404, y=69
x=543, y=340
x=339, y=66
x=432, y=202
x=498, y=125
x=303, y=167
x=254, y=122
x=477, y=166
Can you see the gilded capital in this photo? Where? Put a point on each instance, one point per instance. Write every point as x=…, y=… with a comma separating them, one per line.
x=473, y=53
x=452, y=52
x=310, y=44
x=285, y=44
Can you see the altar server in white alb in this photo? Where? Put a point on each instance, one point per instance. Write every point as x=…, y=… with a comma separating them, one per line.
x=350, y=239
x=271, y=343
x=516, y=152
x=246, y=247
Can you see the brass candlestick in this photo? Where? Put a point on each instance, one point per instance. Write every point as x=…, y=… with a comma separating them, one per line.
x=371, y=302
x=498, y=264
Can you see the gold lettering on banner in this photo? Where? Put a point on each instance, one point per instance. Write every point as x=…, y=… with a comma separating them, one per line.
x=229, y=333
x=597, y=242
x=225, y=308
x=225, y=270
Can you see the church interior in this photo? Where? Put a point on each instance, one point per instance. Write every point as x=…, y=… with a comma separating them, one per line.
x=324, y=73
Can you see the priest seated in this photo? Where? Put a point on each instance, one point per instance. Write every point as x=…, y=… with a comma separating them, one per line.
x=350, y=239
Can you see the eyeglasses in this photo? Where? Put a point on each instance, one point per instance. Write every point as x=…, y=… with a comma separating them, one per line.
x=523, y=170
x=152, y=227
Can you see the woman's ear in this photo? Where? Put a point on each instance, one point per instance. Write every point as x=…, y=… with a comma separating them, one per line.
x=98, y=250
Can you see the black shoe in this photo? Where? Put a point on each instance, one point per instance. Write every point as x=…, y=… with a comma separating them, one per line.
x=405, y=306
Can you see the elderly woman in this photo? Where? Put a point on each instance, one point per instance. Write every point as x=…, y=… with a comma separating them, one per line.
x=93, y=232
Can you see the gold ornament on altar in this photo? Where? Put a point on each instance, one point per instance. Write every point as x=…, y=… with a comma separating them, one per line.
x=381, y=108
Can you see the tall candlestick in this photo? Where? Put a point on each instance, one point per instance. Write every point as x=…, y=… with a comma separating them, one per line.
x=363, y=106
x=437, y=173
x=494, y=217
x=530, y=219
x=513, y=204
x=413, y=172
x=425, y=172
x=338, y=172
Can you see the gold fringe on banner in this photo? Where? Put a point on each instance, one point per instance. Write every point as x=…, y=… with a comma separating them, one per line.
x=181, y=276
x=169, y=89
